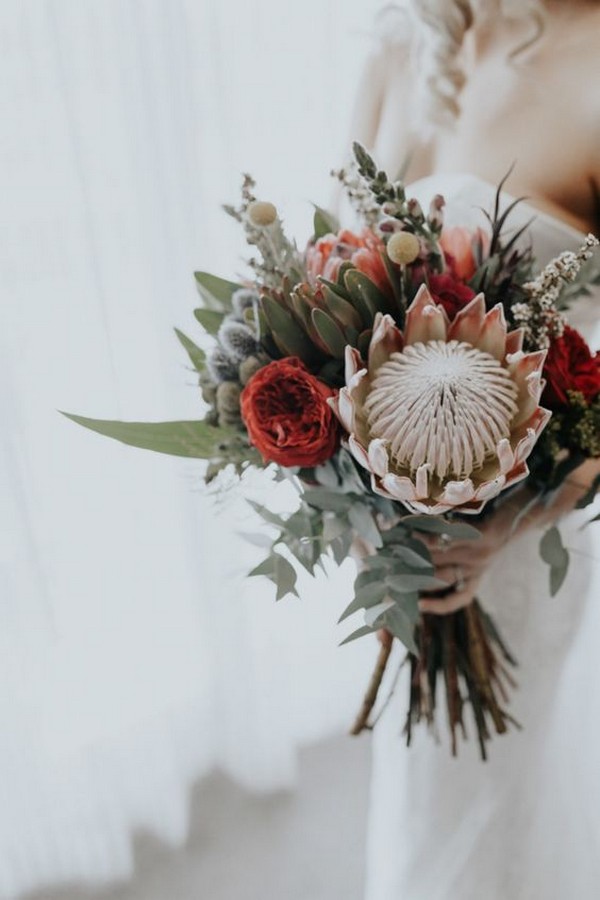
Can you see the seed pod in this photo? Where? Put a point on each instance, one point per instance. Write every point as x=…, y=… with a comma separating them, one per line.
x=237, y=340
x=228, y=398
x=230, y=419
x=220, y=366
x=208, y=388
x=212, y=417
x=243, y=299
x=249, y=367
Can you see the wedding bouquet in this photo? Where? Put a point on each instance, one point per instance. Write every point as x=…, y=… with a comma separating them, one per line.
x=407, y=377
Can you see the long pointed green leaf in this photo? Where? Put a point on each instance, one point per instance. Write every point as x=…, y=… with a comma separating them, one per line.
x=193, y=439
x=330, y=333
x=324, y=222
x=286, y=332
x=210, y=319
x=196, y=355
x=216, y=292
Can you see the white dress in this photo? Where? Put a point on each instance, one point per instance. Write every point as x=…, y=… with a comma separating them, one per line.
x=526, y=824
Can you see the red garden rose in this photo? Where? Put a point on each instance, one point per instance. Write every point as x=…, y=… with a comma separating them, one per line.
x=450, y=293
x=288, y=418
x=570, y=366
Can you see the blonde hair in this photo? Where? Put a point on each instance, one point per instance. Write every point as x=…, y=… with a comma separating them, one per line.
x=437, y=29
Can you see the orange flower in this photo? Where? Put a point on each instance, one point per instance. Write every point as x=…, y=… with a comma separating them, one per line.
x=458, y=243
x=369, y=261
x=326, y=255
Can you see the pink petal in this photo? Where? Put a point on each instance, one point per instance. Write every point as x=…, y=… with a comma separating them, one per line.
x=387, y=339
x=518, y=474
x=435, y=509
x=522, y=369
x=490, y=489
x=535, y=426
x=378, y=458
x=422, y=481
x=506, y=456
x=415, y=328
x=492, y=338
x=358, y=452
x=514, y=341
x=353, y=362
x=457, y=492
x=345, y=410
x=469, y=321
x=399, y=487
x=432, y=325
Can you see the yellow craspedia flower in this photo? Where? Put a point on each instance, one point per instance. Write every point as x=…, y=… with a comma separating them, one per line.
x=262, y=213
x=403, y=248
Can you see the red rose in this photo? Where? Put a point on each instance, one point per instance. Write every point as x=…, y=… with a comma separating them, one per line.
x=288, y=418
x=570, y=366
x=450, y=293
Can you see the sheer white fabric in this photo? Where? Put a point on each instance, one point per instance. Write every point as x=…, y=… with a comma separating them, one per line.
x=133, y=654
x=526, y=824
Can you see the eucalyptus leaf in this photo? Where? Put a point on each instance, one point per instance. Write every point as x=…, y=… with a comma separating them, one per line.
x=327, y=475
x=554, y=553
x=402, y=625
x=361, y=519
x=360, y=632
x=410, y=582
x=333, y=527
x=370, y=596
x=410, y=557
x=280, y=571
x=331, y=501
x=196, y=440
x=340, y=547
x=458, y=531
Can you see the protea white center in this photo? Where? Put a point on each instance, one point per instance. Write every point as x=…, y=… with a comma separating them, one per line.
x=447, y=404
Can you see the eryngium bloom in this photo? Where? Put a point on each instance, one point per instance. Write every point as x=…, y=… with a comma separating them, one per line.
x=445, y=414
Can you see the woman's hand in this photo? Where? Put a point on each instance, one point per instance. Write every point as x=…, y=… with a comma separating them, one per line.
x=462, y=564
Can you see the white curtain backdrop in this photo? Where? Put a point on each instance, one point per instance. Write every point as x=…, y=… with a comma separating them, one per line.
x=133, y=655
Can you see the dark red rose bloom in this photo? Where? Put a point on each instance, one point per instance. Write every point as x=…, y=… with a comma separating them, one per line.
x=570, y=366
x=288, y=418
x=450, y=292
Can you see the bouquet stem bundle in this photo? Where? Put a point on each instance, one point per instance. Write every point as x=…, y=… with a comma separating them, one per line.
x=466, y=651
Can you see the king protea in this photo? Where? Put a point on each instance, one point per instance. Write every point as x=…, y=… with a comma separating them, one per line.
x=443, y=415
